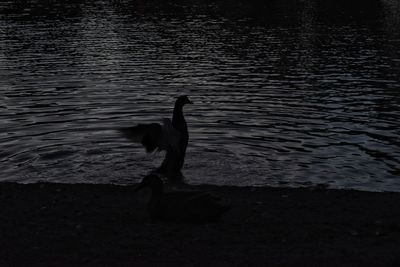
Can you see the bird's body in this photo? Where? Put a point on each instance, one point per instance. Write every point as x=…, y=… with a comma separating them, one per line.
x=174, y=159
x=181, y=206
x=171, y=136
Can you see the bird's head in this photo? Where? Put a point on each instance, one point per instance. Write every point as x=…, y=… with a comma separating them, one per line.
x=182, y=100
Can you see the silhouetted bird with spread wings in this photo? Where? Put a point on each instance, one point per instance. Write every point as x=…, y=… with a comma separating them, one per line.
x=171, y=136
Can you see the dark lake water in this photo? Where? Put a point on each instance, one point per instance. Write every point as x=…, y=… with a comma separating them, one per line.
x=288, y=92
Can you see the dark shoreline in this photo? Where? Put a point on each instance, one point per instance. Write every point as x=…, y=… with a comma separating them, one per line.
x=107, y=225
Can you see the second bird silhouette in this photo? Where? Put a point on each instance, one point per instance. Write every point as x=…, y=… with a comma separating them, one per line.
x=171, y=136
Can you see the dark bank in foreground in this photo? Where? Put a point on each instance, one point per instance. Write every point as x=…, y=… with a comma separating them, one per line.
x=107, y=225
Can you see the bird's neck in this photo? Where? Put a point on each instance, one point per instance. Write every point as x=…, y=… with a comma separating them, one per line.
x=177, y=115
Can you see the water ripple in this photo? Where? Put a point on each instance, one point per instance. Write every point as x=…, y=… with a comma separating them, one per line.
x=297, y=102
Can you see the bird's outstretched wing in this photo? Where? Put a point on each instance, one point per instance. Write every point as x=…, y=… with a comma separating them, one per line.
x=153, y=136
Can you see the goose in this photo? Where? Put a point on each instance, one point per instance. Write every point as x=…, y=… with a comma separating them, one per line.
x=171, y=136
x=181, y=206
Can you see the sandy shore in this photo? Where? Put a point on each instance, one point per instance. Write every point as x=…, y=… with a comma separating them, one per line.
x=107, y=225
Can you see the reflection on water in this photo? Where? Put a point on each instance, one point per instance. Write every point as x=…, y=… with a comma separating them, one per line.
x=287, y=92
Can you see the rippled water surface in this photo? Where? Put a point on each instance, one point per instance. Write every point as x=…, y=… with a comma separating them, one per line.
x=286, y=92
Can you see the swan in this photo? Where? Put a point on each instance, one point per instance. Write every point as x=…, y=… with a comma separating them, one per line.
x=171, y=136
